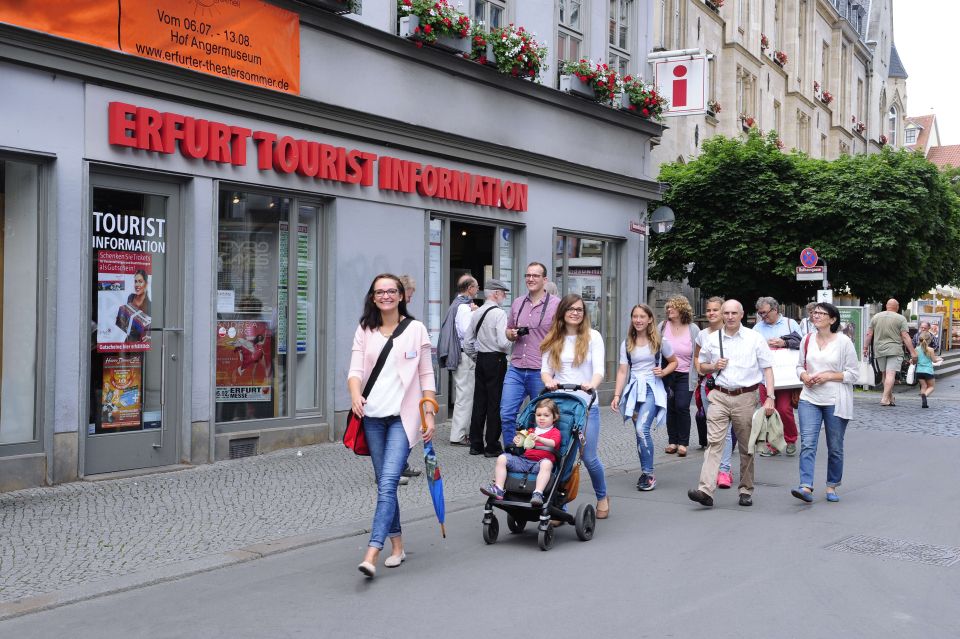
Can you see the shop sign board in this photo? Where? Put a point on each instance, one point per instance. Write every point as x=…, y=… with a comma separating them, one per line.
x=811, y=273
x=250, y=41
x=200, y=139
x=683, y=81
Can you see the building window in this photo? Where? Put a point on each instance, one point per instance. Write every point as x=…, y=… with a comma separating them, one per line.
x=825, y=67
x=776, y=118
x=801, y=40
x=618, y=56
x=892, y=125
x=803, y=132
x=910, y=136
x=590, y=267
x=844, y=81
x=743, y=17
x=861, y=106
x=570, y=31
x=20, y=284
x=778, y=41
x=746, y=93
x=490, y=13
x=267, y=349
x=823, y=146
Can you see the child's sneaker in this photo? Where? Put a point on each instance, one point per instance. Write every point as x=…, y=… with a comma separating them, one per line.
x=646, y=482
x=492, y=490
x=724, y=480
x=536, y=500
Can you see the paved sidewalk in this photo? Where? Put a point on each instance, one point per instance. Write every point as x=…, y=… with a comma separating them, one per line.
x=75, y=541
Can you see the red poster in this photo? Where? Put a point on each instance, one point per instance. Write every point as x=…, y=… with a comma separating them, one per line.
x=123, y=301
x=244, y=361
x=121, y=405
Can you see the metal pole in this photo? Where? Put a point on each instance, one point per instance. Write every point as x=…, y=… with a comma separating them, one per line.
x=645, y=237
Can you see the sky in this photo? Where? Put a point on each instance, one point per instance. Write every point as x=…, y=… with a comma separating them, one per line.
x=926, y=34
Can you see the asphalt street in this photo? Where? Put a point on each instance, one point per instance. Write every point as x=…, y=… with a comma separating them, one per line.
x=884, y=562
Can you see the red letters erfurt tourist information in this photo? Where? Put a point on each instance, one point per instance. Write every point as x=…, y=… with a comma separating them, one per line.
x=201, y=139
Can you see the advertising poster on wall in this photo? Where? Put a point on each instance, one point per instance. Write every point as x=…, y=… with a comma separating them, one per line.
x=123, y=301
x=588, y=283
x=121, y=401
x=303, y=275
x=936, y=326
x=244, y=362
x=851, y=325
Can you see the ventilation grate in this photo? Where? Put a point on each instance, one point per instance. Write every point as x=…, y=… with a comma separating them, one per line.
x=243, y=447
x=899, y=549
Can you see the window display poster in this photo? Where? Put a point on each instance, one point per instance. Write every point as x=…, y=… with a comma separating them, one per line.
x=303, y=278
x=244, y=361
x=851, y=325
x=936, y=325
x=123, y=301
x=122, y=400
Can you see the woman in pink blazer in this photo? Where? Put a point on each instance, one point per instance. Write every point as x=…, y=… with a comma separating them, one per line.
x=390, y=412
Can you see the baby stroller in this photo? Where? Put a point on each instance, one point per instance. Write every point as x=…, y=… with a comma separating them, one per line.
x=519, y=486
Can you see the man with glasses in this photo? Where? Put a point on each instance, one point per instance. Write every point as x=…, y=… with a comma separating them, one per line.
x=773, y=327
x=527, y=324
x=450, y=355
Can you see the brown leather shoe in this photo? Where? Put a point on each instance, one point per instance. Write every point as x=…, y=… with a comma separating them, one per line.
x=604, y=511
x=681, y=451
x=671, y=449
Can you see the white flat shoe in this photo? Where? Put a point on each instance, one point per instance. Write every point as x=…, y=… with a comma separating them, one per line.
x=395, y=560
x=367, y=569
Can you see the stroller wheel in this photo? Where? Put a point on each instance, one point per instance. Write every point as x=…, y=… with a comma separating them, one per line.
x=516, y=526
x=586, y=521
x=491, y=530
x=545, y=538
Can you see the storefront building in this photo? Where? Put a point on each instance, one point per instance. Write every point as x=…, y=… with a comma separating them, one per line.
x=185, y=256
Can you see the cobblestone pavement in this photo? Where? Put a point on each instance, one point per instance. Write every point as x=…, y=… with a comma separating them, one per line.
x=86, y=532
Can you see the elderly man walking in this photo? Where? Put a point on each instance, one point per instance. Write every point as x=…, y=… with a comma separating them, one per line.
x=450, y=355
x=487, y=339
x=889, y=335
x=529, y=320
x=742, y=366
x=773, y=327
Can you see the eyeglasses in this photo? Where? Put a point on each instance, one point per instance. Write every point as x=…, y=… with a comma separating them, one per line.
x=818, y=313
x=763, y=313
x=575, y=311
x=532, y=276
x=391, y=292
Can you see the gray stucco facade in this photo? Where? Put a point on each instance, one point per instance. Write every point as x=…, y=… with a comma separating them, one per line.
x=585, y=167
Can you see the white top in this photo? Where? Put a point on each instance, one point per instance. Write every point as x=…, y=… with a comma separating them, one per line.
x=462, y=320
x=747, y=354
x=386, y=396
x=838, y=356
x=642, y=359
x=569, y=374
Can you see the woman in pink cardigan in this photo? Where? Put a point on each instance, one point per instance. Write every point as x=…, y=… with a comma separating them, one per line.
x=390, y=412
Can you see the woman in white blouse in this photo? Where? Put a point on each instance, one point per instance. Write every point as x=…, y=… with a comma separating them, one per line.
x=573, y=354
x=828, y=368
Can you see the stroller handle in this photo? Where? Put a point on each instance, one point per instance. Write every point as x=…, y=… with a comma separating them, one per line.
x=576, y=387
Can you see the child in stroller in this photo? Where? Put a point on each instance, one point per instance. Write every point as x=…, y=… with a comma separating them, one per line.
x=538, y=457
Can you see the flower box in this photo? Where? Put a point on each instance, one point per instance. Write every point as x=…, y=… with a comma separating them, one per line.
x=574, y=85
x=714, y=4
x=408, y=29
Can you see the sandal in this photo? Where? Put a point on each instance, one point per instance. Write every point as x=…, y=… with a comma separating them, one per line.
x=671, y=449
x=603, y=513
x=681, y=451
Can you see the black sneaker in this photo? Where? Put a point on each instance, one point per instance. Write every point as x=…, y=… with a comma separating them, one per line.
x=746, y=500
x=536, y=499
x=700, y=497
x=923, y=401
x=409, y=471
x=646, y=482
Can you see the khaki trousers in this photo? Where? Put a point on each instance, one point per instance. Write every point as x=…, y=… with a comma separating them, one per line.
x=463, y=380
x=723, y=410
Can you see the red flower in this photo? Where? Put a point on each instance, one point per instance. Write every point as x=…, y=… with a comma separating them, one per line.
x=632, y=108
x=483, y=59
x=530, y=73
x=514, y=72
x=427, y=28
x=408, y=2
x=419, y=44
x=628, y=78
x=416, y=29
x=448, y=22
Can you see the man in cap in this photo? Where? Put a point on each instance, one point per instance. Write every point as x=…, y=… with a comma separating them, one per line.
x=486, y=338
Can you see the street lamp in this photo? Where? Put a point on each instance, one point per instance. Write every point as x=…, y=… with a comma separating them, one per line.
x=660, y=221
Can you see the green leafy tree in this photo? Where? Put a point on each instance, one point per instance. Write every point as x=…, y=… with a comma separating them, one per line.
x=887, y=224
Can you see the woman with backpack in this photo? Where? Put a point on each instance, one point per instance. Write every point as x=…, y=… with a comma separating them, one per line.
x=639, y=394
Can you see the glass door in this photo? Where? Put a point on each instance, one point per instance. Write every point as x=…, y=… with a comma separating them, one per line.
x=136, y=333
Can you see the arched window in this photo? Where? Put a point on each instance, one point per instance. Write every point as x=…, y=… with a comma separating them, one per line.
x=892, y=125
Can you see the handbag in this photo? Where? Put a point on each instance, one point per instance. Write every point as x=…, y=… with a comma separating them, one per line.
x=353, y=437
x=912, y=375
x=572, y=487
x=795, y=392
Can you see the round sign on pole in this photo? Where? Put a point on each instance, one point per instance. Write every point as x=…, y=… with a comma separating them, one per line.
x=808, y=257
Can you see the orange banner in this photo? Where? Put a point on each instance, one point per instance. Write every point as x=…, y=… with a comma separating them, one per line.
x=91, y=21
x=244, y=40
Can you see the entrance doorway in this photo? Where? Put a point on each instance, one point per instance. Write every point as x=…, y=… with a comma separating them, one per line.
x=458, y=247
x=136, y=335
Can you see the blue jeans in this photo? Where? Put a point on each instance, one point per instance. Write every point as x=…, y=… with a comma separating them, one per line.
x=591, y=459
x=811, y=416
x=644, y=414
x=517, y=384
x=389, y=449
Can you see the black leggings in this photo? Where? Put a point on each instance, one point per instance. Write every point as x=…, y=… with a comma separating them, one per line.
x=678, y=408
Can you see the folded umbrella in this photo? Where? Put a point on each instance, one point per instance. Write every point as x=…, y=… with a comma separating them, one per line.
x=432, y=468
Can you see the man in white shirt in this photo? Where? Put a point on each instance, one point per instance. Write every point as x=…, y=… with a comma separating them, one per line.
x=773, y=326
x=745, y=365
x=487, y=338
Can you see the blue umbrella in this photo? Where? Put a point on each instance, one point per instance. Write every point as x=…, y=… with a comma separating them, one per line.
x=432, y=468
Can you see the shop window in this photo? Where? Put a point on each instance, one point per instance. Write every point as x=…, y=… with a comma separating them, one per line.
x=589, y=267
x=491, y=14
x=267, y=350
x=19, y=286
x=618, y=51
x=570, y=30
